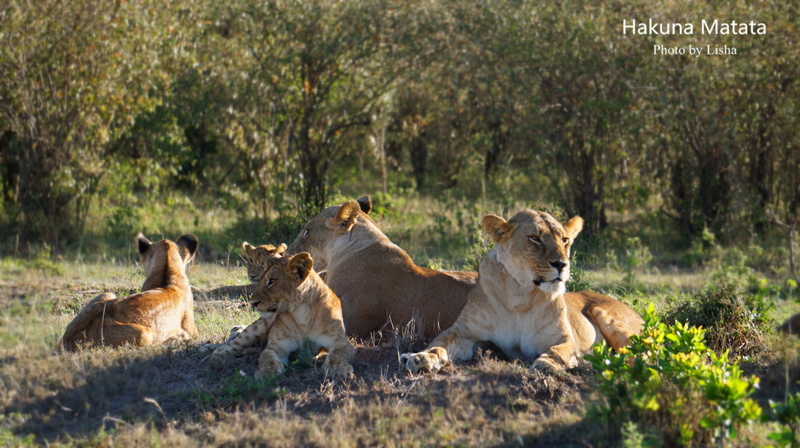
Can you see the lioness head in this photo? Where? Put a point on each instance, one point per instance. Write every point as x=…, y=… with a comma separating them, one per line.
x=165, y=255
x=318, y=235
x=534, y=247
x=280, y=285
x=256, y=258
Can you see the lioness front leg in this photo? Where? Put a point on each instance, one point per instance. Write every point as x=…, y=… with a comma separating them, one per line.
x=558, y=358
x=454, y=344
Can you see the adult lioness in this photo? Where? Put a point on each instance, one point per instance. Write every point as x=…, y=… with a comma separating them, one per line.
x=162, y=312
x=295, y=304
x=519, y=303
x=376, y=280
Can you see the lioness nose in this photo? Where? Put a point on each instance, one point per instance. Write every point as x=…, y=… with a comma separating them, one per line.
x=559, y=265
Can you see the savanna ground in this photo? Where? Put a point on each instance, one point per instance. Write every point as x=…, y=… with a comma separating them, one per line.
x=170, y=396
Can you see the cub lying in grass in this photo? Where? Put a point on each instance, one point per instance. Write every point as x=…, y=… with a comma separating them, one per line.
x=162, y=312
x=294, y=304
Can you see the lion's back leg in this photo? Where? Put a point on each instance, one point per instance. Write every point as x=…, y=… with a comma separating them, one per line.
x=617, y=330
x=117, y=333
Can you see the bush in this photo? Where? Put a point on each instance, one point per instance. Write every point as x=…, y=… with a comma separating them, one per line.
x=668, y=380
x=734, y=321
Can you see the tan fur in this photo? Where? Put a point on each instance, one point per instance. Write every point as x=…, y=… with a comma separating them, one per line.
x=295, y=305
x=376, y=280
x=520, y=304
x=791, y=326
x=162, y=312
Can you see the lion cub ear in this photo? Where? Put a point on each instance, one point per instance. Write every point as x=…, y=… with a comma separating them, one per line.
x=300, y=266
x=497, y=227
x=346, y=218
x=142, y=243
x=574, y=226
x=248, y=249
x=187, y=246
x=366, y=204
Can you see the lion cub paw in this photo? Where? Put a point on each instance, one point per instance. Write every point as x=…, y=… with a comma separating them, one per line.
x=221, y=356
x=268, y=364
x=426, y=361
x=338, y=370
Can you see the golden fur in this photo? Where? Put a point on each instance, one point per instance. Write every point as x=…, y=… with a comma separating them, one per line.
x=295, y=304
x=377, y=281
x=520, y=303
x=162, y=312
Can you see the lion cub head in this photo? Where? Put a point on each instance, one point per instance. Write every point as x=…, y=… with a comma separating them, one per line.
x=320, y=233
x=165, y=258
x=281, y=285
x=534, y=248
x=256, y=258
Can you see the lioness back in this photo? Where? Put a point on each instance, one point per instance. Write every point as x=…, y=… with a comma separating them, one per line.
x=376, y=281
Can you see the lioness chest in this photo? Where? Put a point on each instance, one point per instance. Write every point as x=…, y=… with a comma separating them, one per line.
x=526, y=330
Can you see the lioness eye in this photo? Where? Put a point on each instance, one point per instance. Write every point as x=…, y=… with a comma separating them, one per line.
x=305, y=234
x=271, y=282
x=272, y=309
x=535, y=239
x=565, y=240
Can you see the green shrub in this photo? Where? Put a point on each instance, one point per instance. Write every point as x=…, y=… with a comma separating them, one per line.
x=669, y=381
x=734, y=321
x=786, y=414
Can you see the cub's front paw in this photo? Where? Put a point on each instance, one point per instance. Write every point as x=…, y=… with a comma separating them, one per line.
x=268, y=364
x=425, y=361
x=220, y=356
x=338, y=370
x=235, y=331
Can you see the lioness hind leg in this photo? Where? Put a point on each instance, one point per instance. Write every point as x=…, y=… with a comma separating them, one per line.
x=116, y=334
x=615, y=331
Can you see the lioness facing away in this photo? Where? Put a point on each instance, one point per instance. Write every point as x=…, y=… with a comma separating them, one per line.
x=162, y=312
x=294, y=304
x=520, y=303
x=376, y=280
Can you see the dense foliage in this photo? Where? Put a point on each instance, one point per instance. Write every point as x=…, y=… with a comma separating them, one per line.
x=271, y=105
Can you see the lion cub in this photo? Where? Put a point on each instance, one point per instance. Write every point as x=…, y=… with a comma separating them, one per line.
x=162, y=312
x=296, y=304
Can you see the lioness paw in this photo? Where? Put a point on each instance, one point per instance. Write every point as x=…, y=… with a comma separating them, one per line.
x=421, y=362
x=545, y=363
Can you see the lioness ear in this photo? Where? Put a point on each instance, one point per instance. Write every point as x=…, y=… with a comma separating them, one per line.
x=187, y=246
x=300, y=266
x=497, y=227
x=248, y=249
x=281, y=249
x=366, y=204
x=143, y=243
x=346, y=218
x=574, y=226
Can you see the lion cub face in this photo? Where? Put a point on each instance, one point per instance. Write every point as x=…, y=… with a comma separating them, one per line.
x=280, y=286
x=534, y=247
x=256, y=258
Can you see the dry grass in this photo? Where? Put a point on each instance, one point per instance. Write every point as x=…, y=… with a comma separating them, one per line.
x=170, y=396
